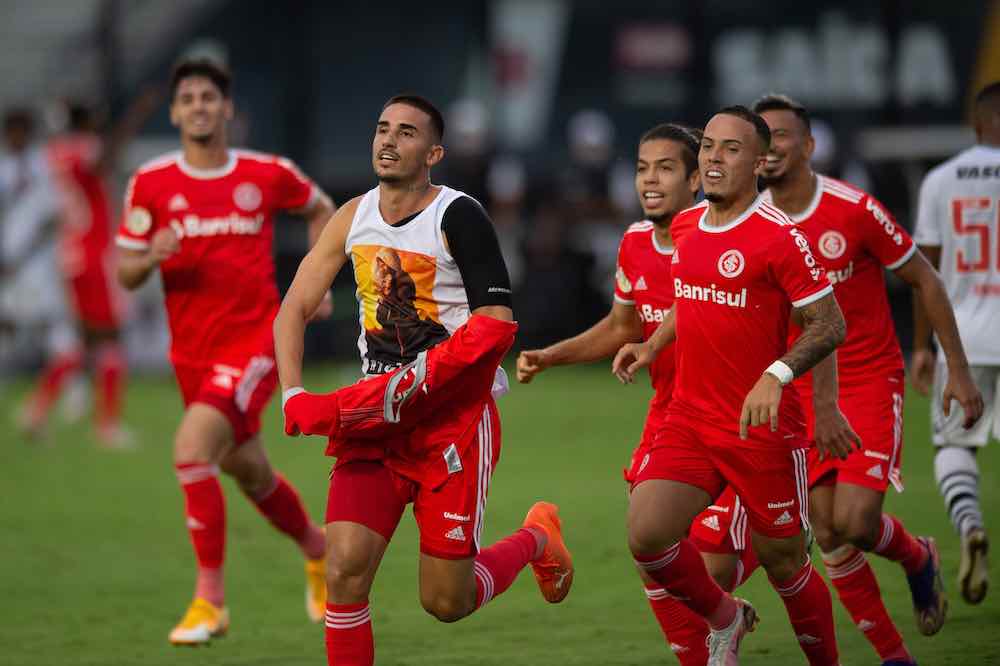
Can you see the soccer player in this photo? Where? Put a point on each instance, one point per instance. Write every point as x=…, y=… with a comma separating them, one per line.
x=958, y=228
x=434, y=305
x=737, y=276
x=204, y=217
x=856, y=237
x=666, y=181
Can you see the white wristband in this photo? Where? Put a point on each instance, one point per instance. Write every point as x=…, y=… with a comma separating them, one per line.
x=289, y=393
x=781, y=370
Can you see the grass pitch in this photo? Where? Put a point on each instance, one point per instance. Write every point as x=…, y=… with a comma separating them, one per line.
x=95, y=564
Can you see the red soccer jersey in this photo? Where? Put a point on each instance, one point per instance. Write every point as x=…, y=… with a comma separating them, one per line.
x=643, y=280
x=735, y=287
x=220, y=287
x=85, y=208
x=855, y=237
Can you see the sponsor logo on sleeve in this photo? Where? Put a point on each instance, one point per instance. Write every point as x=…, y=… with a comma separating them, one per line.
x=623, y=282
x=139, y=221
x=888, y=226
x=802, y=243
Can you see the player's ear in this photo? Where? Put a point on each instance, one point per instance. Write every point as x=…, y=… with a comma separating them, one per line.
x=810, y=146
x=434, y=155
x=759, y=163
x=228, y=109
x=694, y=181
x=175, y=117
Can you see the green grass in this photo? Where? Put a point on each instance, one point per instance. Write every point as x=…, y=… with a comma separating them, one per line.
x=95, y=564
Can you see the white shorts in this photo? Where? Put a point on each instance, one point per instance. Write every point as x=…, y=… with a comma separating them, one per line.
x=948, y=430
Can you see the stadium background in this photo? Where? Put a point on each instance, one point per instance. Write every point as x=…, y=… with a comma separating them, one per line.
x=545, y=100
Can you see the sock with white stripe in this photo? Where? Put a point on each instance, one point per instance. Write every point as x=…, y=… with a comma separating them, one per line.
x=498, y=566
x=685, y=631
x=852, y=576
x=349, y=640
x=896, y=544
x=810, y=610
x=205, y=508
x=283, y=507
x=957, y=477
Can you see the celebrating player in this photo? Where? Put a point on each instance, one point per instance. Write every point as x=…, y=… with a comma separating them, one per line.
x=737, y=277
x=666, y=180
x=204, y=217
x=958, y=229
x=856, y=237
x=434, y=304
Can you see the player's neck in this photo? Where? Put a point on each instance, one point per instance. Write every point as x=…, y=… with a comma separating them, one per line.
x=397, y=201
x=721, y=213
x=795, y=191
x=211, y=155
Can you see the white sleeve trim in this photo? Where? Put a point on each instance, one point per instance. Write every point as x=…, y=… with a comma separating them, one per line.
x=619, y=299
x=131, y=243
x=902, y=260
x=287, y=394
x=802, y=302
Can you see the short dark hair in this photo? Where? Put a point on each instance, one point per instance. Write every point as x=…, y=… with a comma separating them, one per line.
x=203, y=67
x=777, y=102
x=687, y=137
x=81, y=116
x=425, y=105
x=988, y=93
x=19, y=117
x=740, y=111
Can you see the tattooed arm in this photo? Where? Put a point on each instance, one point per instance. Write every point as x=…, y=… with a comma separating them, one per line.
x=823, y=330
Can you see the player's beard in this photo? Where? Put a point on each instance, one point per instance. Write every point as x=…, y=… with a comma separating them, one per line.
x=662, y=220
x=765, y=181
x=714, y=197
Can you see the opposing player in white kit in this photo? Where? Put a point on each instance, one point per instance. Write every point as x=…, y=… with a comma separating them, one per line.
x=958, y=228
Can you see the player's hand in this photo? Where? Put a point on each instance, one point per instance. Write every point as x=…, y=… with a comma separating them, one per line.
x=163, y=245
x=761, y=405
x=325, y=308
x=631, y=358
x=963, y=388
x=309, y=414
x=922, y=370
x=835, y=438
x=529, y=363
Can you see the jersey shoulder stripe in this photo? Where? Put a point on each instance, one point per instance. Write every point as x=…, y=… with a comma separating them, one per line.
x=157, y=163
x=701, y=205
x=638, y=227
x=769, y=212
x=264, y=158
x=842, y=190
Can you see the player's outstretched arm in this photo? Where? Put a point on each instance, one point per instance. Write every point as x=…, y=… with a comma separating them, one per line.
x=930, y=291
x=634, y=356
x=135, y=266
x=312, y=281
x=922, y=355
x=620, y=326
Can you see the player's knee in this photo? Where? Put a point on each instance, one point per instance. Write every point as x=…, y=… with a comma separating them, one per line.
x=826, y=537
x=648, y=539
x=859, y=527
x=781, y=558
x=190, y=447
x=347, y=573
x=446, y=608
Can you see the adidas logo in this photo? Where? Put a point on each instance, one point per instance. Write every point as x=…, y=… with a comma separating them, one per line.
x=875, y=471
x=807, y=639
x=223, y=381
x=178, y=202
x=194, y=524
x=455, y=534
x=783, y=519
x=865, y=625
x=641, y=283
x=711, y=522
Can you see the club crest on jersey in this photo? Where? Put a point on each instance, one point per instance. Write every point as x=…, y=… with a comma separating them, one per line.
x=731, y=263
x=139, y=221
x=247, y=196
x=832, y=244
x=623, y=282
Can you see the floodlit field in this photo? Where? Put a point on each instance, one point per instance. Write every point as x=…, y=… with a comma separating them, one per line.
x=95, y=564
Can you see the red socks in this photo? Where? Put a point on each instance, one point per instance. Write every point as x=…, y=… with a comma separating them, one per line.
x=685, y=631
x=681, y=571
x=854, y=580
x=110, y=371
x=349, y=635
x=498, y=566
x=809, y=608
x=51, y=382
x=282, y=506
x=898, y=545
x=205, y=508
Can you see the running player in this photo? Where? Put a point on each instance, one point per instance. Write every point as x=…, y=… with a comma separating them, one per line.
x=958, y=228
x=737, y=277
x=856, y=237
x=204, y=217
x=434, y=304
x=666, y=181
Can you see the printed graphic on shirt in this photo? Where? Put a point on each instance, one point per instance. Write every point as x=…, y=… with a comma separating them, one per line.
x=396, y=289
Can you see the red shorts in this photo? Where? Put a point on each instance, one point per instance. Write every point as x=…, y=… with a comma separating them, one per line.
x=240, y=393
x=771, y=481
x=93, y=298
x=875, y=411
x=656, y=418
x=722, y=527
x=449, y=516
